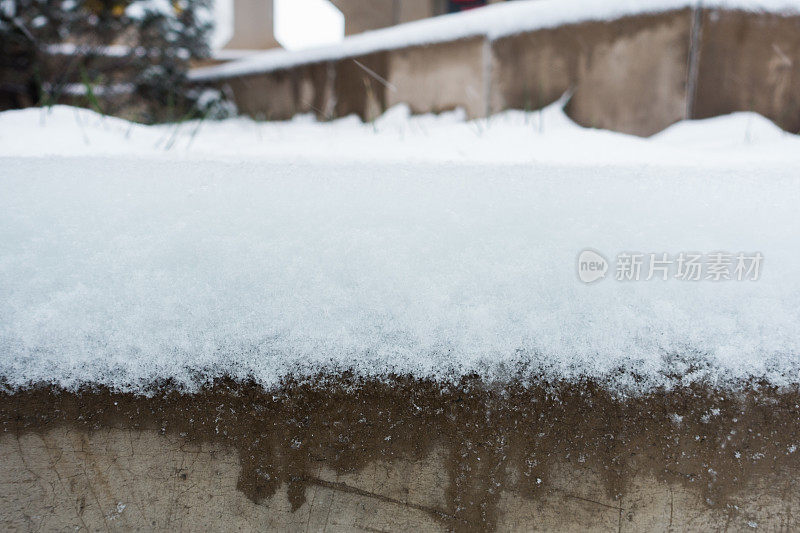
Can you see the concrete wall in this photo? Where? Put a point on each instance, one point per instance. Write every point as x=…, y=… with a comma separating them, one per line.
x=749, y=63
x=627, y=75
x=635, y=75
x=440, y=77
x=431, y=78
x=281, y=94
x=266, y=96
x=359, y=87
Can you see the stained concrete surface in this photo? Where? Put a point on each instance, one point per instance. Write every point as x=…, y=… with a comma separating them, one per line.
x=341, y=453
x=123, y=479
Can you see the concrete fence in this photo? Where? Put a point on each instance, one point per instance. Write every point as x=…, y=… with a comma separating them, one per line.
x=635, y=74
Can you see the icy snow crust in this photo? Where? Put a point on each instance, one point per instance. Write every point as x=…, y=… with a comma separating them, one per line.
x=493, y=22
x=129, y=264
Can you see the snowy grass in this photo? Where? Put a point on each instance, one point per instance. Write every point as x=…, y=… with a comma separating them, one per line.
x=415, y=246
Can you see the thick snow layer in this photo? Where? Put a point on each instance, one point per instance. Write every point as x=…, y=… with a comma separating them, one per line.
x=259, y=252
x=493, y=21
x=548, y=137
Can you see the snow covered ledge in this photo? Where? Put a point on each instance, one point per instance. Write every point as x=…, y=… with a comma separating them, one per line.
x=524, y=55
x=411, y=246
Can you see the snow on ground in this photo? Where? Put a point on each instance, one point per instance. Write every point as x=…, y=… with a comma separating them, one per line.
x=493, y=22
x=548, y=137
x=426, y=245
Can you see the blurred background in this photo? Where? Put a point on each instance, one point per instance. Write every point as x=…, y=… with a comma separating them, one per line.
x=131, y=57
x=633, y=67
